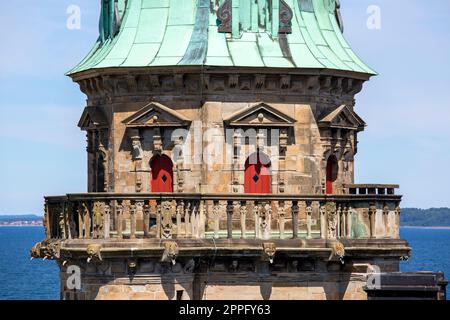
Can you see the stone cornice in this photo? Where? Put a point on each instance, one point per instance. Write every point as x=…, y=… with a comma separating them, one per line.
x=109, y=85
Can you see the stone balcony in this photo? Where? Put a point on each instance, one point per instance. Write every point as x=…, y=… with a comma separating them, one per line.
x=363, y=223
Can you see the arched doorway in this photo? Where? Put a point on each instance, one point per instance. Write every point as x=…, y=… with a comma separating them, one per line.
x=332, y=171
x=258, y=174
x=162, y=174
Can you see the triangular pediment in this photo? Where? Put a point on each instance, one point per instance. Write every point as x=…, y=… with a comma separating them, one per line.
x=343, y=118
x=92, y=118
x=156, y=115
x=260, y=115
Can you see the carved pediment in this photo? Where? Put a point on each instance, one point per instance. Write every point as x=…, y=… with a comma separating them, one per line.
x=343, y=118
x=260, y=115
x=156, y=115
x=92, y=118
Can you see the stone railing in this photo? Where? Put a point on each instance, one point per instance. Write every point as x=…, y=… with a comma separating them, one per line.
x=214, y=216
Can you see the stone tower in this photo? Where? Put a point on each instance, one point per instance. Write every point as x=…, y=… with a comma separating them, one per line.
x=221, y=138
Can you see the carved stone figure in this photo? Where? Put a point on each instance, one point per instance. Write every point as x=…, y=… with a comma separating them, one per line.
x=138, y=153
x=170, y=253
x=332, y=220
x=94, y=253
x=166, y=220
x=265, y=213
x=98, y=217
x=337, y=250
x=269, y=250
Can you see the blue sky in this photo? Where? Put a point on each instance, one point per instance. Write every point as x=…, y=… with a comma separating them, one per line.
x=407, y=107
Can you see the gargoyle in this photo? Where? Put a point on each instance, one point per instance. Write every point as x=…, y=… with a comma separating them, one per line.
x=269, y=250
x=46, y=250
x=337, y=250
x=170, y=253
x=94, y=253
x=35, y=252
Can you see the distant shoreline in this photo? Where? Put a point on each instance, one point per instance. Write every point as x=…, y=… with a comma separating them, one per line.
x=25, y=226
x=422, y=227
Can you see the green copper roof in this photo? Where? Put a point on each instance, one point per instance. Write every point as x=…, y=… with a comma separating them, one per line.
x=153, y=33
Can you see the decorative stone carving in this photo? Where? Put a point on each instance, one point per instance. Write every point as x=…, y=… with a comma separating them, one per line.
x=138, y=152
x=285, y=82
x=94, y=253
x=170, y=253
x=52, y=250
x=98, y=212
x=166, y=220
x=264, y=217
x=332, y=219
x=259, y=115
x=132, y=265
x=285, y=19
x=224, y=15
x=260, y=80
x=337, y=251
x=35, y=252
x=269, y=250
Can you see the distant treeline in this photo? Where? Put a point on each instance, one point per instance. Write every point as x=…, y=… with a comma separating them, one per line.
x=435, y=217
x=12, y=218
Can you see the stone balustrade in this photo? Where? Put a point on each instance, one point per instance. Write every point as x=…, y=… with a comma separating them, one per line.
x=220, y=216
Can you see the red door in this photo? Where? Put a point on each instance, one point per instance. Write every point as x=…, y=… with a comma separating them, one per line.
x=331, y=163
x=162, y=174
x=258, y=175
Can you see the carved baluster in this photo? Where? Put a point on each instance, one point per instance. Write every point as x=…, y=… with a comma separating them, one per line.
x=180, y=212
x=397, y=220
x=202, y=219
x=349, y=222
x=344, y=221
x=295, y=210
x=386, y=220
x=331, y=220
x=166, y=222
x=230, y=211
x=46, y=221
x=98, y=219
x=80, y=211
x=158, y=220
x=186, y=219
x=119, y=212
x=266, y=220
x=243, y=214
x=281, y=217
x=309, y=211
x=107, y=221
x=146, y=223
x=133, y=209
x=256, y=209
x=66, y=220
x=139, y=212
x=216, y=216
x=372, y=215
x=338, y=222
x=323, y=221
x=194, y=220
x=69, y=214
x=87, y=220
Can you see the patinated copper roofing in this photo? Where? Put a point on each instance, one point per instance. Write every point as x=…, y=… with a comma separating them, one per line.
x=155, y=33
